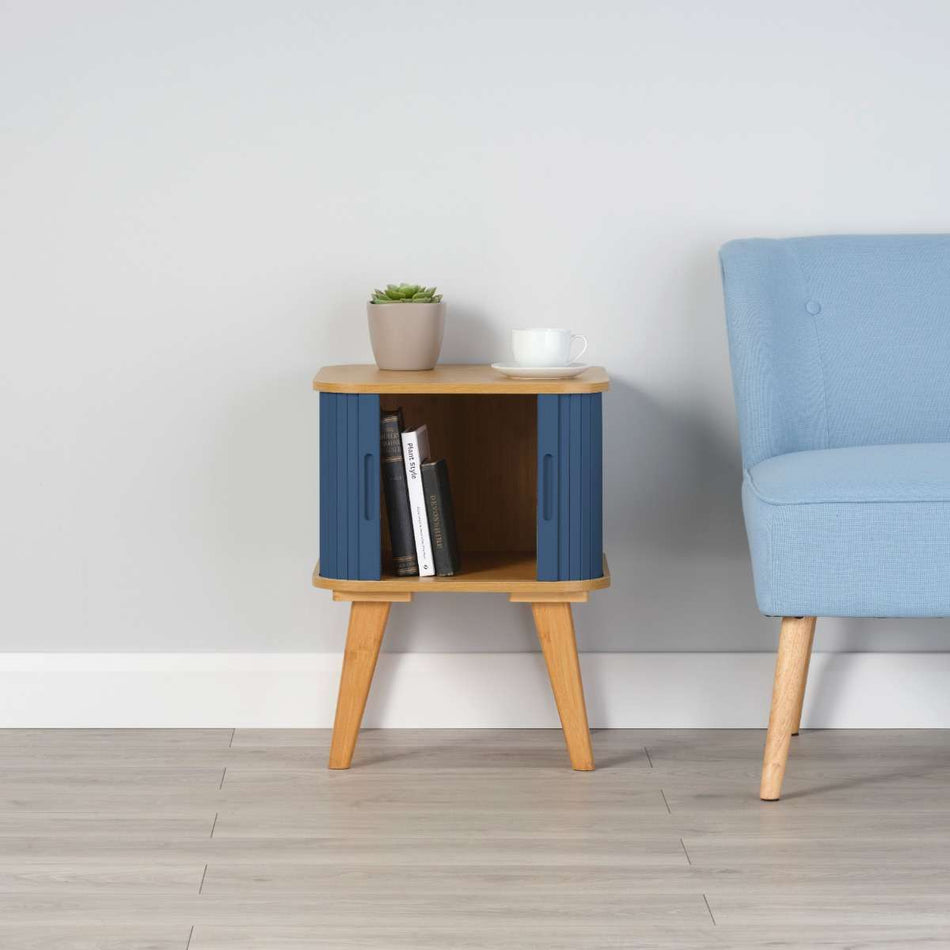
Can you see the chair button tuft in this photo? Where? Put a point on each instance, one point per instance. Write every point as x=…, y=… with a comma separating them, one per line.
x=813, y=307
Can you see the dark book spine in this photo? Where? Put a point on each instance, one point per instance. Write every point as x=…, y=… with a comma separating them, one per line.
x=445, y=548
x=396, y=494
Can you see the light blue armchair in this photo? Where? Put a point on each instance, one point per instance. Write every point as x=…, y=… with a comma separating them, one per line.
x=840, y=351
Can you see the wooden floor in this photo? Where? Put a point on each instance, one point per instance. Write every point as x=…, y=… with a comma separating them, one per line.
x=221, y=840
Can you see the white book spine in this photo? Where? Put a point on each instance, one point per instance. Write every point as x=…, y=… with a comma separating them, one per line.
x=415, y=450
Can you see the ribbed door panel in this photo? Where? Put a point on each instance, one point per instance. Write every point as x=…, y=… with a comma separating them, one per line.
x=570, y=487
x=349, y=486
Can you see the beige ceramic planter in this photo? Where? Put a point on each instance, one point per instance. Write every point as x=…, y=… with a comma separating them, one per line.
x=406, y=335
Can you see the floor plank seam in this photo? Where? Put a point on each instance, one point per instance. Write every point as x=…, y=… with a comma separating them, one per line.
x=191, y=933
x=649, y=757
x=665, y=802
x=203, y=873
x=688, y=859
x=213, y=825
x=221, y=783
x=231, y=740
x=711, y=915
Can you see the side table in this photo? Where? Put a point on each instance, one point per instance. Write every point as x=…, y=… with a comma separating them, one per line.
x=525, y=461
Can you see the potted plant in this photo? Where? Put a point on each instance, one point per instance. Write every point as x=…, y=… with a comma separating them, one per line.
x=405, y=326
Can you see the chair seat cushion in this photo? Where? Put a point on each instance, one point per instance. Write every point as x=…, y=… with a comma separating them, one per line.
x=852, y=532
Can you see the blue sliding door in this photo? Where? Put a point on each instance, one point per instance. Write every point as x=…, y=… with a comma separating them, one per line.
x=349, y=486
x=570, y=487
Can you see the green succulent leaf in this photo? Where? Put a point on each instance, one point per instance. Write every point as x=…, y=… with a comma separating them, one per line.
x=405, y=293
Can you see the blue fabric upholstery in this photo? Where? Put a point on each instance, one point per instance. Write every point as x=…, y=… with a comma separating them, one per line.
x=840, y=351
x=857, y=532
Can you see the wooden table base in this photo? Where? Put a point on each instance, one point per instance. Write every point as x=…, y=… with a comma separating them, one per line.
x=555, y=626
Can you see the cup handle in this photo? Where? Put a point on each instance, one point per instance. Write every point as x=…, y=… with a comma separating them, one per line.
x=583, y=339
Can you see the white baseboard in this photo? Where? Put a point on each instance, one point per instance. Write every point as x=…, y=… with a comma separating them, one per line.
x=463, y=690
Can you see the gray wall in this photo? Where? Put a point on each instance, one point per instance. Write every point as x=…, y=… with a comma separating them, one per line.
x=197, y=197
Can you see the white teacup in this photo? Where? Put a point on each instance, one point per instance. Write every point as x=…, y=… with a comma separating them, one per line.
x=540, y=346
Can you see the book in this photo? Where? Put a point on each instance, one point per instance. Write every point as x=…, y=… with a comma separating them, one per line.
x=396, y=493
x=415, y=450
x=445, y=549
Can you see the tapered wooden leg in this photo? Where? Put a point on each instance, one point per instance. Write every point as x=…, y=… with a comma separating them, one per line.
x=556, y=632
x=365, y=634
x=797, y=721
x=791, y=665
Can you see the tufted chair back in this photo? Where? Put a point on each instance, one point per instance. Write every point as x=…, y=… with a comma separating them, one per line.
x=838, y=341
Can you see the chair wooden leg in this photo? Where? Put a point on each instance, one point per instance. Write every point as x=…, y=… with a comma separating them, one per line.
x=363, y=638
x=797, y=720
x=791, y=665
x=555, y=627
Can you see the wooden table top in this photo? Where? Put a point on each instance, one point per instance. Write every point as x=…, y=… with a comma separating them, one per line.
x=453, y=378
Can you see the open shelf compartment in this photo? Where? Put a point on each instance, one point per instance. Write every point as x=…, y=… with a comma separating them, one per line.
x=490, y=444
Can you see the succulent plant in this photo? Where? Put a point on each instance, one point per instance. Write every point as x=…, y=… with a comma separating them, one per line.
x=406, y=293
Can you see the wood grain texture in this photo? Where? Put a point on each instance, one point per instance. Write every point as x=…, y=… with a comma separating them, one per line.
x=378, y=596
x=91, y=936
x=363, y=639
x=797, y=718
x=475, y=378
x=492, y=573
x=470, y=839
x=541, y=597
x=791, y=667
x=555, y=626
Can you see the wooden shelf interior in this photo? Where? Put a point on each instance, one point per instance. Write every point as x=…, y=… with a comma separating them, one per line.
x=490, y=443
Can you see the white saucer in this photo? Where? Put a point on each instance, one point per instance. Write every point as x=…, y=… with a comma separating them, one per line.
x=540, y=372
